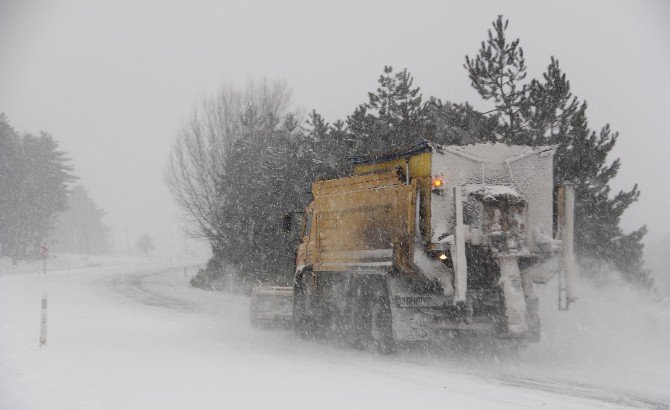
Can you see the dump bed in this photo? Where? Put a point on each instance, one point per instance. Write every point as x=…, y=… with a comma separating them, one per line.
x=362, y=222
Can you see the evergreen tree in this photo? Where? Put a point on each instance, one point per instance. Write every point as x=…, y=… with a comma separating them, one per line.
x=392, y=117
x=496, y=73
x=80, y=228
x=545, y=112
x=549, y=106
x=34, y=179
x=323, y=149
x=10, y=184
x=456, y=124
x=395, y=116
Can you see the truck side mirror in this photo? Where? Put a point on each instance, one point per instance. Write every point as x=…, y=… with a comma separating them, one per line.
x=286, y=223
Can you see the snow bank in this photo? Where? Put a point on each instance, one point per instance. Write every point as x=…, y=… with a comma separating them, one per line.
x=61, y=261
x=613, y=343
x=614, y=335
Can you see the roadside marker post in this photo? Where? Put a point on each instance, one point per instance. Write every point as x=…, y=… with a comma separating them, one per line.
x=43, y=252
x=43, y=321
x=43, y=316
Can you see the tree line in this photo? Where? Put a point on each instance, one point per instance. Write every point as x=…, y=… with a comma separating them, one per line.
x=245, y=158
x=80, y=228
x=37, y=204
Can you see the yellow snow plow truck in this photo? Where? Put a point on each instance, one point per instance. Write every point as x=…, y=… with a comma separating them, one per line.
x=433, y=240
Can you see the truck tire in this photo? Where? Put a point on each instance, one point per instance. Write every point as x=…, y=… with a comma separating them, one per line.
x=370, y=312
x=381, y=326
x=356, y=326
x=301, y=322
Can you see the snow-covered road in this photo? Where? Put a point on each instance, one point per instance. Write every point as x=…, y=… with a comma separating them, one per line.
x=140, y=337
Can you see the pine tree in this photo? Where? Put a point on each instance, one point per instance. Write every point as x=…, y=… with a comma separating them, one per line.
x=545, y=112
x=549, y=106
x=34, y=179
x=324, y=149
x=391, y=118
x=496, y=73
x=80, y=228
x=10, y=180
x=456, y=124
x=395, y=116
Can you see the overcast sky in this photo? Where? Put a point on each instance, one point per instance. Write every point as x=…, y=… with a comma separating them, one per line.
x=112, y=81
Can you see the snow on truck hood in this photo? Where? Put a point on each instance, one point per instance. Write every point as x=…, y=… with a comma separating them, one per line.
x=492, y=193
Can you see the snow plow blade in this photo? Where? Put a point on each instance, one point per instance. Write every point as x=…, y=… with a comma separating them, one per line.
x=271, y=306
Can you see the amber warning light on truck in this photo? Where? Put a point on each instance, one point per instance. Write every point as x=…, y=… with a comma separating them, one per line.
x=437, y=183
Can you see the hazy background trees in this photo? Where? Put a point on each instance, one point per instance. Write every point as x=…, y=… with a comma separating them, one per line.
x=80, y=229
x=38, y=205
x=34, y=179
x=145, y=244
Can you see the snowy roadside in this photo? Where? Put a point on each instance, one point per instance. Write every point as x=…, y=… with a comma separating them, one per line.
x=140, y=337
x=62, y=261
